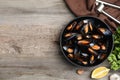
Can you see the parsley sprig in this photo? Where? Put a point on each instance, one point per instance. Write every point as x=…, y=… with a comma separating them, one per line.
x=114, y=58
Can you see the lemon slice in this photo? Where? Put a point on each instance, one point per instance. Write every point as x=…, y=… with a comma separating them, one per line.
x=100, y=72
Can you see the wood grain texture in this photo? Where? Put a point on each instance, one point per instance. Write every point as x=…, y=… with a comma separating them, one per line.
x=29, y=37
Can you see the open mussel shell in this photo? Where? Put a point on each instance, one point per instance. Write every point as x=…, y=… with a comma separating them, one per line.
x=68, y=49
x=93, y=52
x=90, y=26
x=95, y=47
x=104, y=31
x=71, y=26
x=71, y=56
x=96, y=36
x=87, y=28
x=103, y=47
x=83, y=42
x=92, y=59
x=70, y=36
x=86, y=41
x=82, y=61
x=79, y=37
x=79, y=25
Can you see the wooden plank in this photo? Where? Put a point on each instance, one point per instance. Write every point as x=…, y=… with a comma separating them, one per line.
x=31, y=12
x=29, y=37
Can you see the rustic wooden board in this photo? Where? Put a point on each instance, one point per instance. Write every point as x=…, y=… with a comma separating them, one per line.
x=29, y=37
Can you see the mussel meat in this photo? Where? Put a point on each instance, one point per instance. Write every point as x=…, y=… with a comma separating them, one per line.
x=85, y=62
x=72, y=26
x=86, y=28
x=71, y=56
x=84, y=42
x=103, y=47
x=79, y=37
x=82, y=61
x=95, y=47
x=92, y=51
x=69, y=27
x=104, y=31
x=70, y=36
x=90, y=26
x=79, y=25
x=96, y=36
x=69, y=50
x=92, y=58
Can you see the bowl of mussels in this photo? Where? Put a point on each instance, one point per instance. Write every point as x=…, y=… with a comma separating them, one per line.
x=86, y=41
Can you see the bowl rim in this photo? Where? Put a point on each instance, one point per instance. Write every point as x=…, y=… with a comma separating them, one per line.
x=60, y=42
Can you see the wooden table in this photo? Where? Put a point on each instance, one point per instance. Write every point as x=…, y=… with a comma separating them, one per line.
x=29, y=37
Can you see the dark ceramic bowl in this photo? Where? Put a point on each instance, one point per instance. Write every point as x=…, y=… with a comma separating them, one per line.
x=107, y=39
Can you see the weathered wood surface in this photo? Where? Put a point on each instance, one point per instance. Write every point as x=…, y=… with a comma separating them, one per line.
x=29, y=36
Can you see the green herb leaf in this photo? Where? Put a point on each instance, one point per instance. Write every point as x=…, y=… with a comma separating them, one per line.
x=114, y=58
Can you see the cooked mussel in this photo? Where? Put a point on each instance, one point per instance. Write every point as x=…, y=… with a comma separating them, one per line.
x=82, y=61
x=103, y=47
x=86, y=28
x=95, y=47
x=90, y=26
x=68, y=49
x=72, y=26
x=85, y=62
x=70, y=36
x=96, y=36
x=79, y=25
x=104, y=31
x=83, y=42
x=92, y=51
x=71, y=56
x=69, y=27
x=79, y=37
x=92, y=58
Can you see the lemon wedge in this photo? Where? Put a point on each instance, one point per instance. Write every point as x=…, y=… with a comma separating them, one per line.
x=100, y=72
